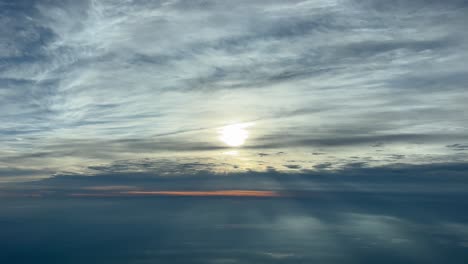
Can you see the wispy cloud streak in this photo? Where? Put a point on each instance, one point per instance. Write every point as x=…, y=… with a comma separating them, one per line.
x=102, y=80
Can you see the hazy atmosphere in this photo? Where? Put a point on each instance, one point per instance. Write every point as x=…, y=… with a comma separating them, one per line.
x=212, y=131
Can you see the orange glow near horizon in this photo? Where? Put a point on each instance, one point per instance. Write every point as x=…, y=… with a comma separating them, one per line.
x=222, y=193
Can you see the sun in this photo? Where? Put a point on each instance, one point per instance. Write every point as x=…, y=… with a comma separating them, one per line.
x=234, y=135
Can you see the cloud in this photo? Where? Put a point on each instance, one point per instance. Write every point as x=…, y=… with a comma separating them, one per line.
x=15, y=172
x=109, y=112
x=323, y=166
x=458, y=147
x=160, y=177
x=405, y=213
x=292, y=166
x=276, y=141
x=101, y=80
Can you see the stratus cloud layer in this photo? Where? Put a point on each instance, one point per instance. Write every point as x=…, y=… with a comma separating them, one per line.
x=91, y=82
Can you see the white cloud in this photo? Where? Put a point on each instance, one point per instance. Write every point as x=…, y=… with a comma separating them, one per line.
x=130, y=69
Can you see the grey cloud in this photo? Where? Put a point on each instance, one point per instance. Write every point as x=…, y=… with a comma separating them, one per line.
x=292, y=166
x=458, y=147
x=277, y=141
x=323, y=166
x=397, y=156
x=432, y=81
x=96, y=77
x=21, y=172
x=405, y=6
x=166, y=174
x=159, y=166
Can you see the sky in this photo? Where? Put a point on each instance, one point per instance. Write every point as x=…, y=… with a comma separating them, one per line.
x=119, y=106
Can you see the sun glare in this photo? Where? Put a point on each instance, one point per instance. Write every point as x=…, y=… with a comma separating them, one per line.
x=234, y=135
